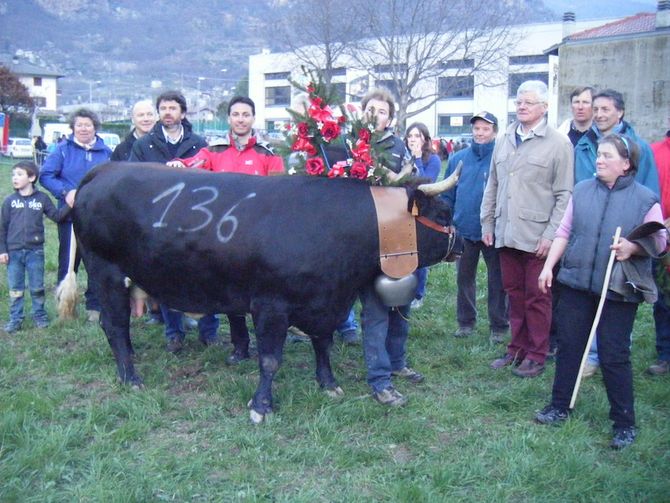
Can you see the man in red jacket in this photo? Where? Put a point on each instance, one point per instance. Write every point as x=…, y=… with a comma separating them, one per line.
x=241, y=152
x=661, y=152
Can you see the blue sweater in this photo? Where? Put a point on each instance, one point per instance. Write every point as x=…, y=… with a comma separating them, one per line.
x=585, y=158
x=66, y=166
x=466, y=198
x=431, y=169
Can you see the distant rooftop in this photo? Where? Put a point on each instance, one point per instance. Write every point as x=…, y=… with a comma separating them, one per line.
x=639, y=23
x=22, y=66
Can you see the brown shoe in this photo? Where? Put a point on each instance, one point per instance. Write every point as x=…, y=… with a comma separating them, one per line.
x=528, y=368
x=504, y=362
x=661, y=367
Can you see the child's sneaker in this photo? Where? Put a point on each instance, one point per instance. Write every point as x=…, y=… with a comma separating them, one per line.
x=42, y=323
x=13, y=326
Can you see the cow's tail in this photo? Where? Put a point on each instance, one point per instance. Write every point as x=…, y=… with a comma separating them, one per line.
x=66, y=293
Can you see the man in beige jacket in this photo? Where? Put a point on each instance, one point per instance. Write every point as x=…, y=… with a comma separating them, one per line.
x=530, y=182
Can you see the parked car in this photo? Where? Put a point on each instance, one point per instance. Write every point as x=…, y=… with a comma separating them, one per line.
x=110, y=139
x=19, y=147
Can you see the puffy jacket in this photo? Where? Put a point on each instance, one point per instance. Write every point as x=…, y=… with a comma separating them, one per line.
x=597, y=211
x=64, y=168
x=661, y=151
x=466, y=198
x=585, y=158
x=254, y=159
x=153, y=147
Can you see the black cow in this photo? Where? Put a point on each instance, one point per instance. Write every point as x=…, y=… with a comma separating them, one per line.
x=291, y=250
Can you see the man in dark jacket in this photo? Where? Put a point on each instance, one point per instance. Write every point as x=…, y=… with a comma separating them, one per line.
x=465, y=201
x=172, y=138
x=143, y=116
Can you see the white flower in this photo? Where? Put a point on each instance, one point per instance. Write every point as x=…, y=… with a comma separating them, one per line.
x=292, y=171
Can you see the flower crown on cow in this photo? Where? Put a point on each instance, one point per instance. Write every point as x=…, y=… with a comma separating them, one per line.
x=326, y=125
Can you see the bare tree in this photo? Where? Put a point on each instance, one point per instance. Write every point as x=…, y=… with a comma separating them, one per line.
x=319, y=33
x=423, y=50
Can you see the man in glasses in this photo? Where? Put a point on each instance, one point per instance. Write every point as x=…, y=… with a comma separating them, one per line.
x=529, y=185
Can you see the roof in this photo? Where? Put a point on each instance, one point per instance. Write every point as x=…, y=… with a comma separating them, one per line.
x=23, y=67
x=639, y=23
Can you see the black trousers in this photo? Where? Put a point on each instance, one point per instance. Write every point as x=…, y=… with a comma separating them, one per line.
x=576, y=313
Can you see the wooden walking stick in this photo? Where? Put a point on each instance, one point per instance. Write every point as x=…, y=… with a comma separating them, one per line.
x=594, y=327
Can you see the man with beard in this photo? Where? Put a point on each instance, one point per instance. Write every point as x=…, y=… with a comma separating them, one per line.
x=170, y=138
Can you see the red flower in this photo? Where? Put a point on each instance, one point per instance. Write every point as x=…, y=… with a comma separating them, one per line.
x=320, y=114
x=330, y=130
x=364, y=134
x=302, y=145
x=303, y=129
x=358, y=170
x=316, y=101
x=337, y=170
x=341, y=119
x=311, y=88
x=314, y=166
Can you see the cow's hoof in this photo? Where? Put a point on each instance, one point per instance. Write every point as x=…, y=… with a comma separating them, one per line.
x=335, y=392
x=255, y=417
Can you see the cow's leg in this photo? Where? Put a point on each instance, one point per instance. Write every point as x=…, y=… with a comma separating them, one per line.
x=324, y=372
x=109, y=285
x=271, y=324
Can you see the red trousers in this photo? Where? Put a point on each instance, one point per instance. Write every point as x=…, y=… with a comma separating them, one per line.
x=529, y=308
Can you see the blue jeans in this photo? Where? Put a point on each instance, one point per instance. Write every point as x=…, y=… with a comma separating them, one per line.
x=349, y=324
x=385, y=332
x=662, y=319
x=422, y=277
x=174, y=326
x=22, y=262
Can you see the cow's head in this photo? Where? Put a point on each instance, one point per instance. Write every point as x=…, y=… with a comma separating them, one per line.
x=435, y=214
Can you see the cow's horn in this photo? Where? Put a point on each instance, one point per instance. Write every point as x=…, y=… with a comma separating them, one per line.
x=433, y=189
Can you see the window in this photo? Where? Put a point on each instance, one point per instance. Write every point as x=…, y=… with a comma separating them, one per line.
x=516, y=79
x=40, y=101
x=277, y=76
x=37, y=81
x=529, y=59
x=458, y=64
x=340, y=89
x=401, y=67
x=336, y=72
x=456, y=87
x=452, y=125
x=278, y=96
x=390, y=85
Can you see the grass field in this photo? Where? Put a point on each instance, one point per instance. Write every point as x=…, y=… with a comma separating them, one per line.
x=70, y=432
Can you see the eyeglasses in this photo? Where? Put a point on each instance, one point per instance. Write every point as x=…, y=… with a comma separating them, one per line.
x=526, y=103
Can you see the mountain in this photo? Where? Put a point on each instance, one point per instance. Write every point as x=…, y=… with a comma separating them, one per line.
x=116, y=48
x=128, y=43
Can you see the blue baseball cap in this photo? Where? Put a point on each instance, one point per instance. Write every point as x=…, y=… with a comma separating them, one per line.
x=485, y=116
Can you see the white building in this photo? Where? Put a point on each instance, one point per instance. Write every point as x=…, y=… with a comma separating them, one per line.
x=450, y=115
x=41, y=82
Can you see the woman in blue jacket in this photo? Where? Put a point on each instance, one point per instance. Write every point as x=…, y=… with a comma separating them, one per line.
x=61, y=173
x=428, y=164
